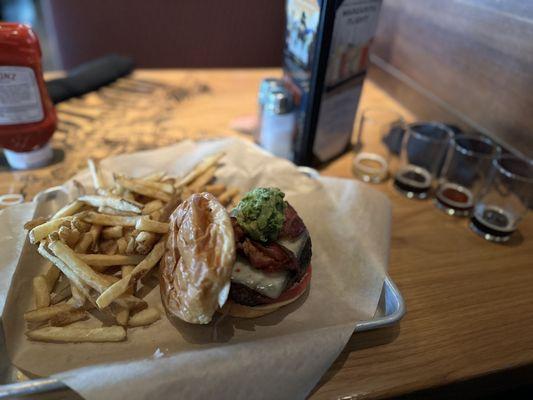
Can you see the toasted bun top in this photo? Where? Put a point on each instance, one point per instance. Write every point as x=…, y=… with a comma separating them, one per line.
x=200, y=253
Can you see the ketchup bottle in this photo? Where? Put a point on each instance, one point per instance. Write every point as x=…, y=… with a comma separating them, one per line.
x=27, y=115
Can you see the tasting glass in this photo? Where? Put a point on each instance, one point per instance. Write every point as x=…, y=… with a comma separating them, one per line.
x=372, y=158
x=424, y=148
x=505, y=199
x=464, y=173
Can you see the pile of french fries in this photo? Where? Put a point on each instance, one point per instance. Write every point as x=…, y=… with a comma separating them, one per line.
x=101, y=250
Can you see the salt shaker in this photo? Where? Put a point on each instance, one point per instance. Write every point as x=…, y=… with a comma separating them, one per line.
x=278, y=123
x=267, y=85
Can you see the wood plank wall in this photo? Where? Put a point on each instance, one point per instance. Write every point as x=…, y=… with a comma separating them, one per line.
x=465, y=61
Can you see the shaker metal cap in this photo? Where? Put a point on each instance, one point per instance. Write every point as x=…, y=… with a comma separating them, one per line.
x=279, y=101
x=266, y=86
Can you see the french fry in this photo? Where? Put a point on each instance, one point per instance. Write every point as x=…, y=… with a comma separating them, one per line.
x=68, y=210
x=113, y=232
x=108, y=220
x=152, y=206
x=150, y=183
x=79, y=187
x=112, y=202
x=84, y=243
x=98, y=181
x=234, y=202
x=36, y=222
x=67, y=318
x=86, y=274
x=146, y=224
x=77, y=334
x=95, y=231
x=131, y=302
x=203, y=179
x=117, y=191
x=155, y=216
x=161, y=186
x=61, y=294
x=78, y=299
x=155, y=176
x=112, y=211
x=41, y=292
x=122, y=316
x=169, y=179
x=216, y=189
x=141, y=187
x=226, y=197
x=71, y=276
x=51, y=276
x=100, y=262
x=199, y=170
x=138, y=272
x=42, y=231
x=122, y=244
x=128, y=232
x=69, y=236
x=80, y=225
x=75, y=235
x=145, y=317
x=126, y=270
x=145, y=242
x=186, y=193
x=130, y=248
x=128, y=195
x=109, y=247
x=46, y=313
x=82, y=275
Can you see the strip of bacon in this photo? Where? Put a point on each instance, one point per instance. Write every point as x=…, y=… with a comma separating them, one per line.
x=293, y=226
x=269, y=257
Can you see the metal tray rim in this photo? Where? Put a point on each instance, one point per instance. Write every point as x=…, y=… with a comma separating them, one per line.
x=392, y=297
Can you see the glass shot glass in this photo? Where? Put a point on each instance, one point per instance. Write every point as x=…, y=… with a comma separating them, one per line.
x=505, y=199
x=372, y=158
x=424, y=148
x=464, y=173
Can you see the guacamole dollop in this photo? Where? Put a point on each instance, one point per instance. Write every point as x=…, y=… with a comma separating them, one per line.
x=261, y=213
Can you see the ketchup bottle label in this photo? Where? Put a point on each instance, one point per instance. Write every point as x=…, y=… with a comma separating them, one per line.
x=20, y=101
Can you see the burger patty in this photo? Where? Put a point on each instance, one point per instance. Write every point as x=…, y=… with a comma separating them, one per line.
x=242, y=294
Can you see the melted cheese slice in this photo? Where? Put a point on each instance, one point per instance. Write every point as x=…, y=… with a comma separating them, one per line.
x=270, y=284
x=295, y=246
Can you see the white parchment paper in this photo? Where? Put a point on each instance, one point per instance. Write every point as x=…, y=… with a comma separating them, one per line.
x=281, y=355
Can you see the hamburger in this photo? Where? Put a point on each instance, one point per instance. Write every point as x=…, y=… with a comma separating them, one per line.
x=246, y=263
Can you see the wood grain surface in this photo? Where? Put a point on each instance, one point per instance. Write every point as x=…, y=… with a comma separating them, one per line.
x=469, y=302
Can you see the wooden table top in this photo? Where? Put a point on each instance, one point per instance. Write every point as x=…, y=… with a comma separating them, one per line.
x=470, y=309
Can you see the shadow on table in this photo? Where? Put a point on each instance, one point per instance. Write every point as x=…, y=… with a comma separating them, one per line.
x=359, y=341
x=515, y=240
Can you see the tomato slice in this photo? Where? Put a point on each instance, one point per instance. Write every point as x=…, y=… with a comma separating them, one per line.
x=295, y=290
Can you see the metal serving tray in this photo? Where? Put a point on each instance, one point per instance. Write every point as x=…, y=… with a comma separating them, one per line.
x=391, y=309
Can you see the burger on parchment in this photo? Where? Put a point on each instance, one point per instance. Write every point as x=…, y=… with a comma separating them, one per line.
x=249, y=263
